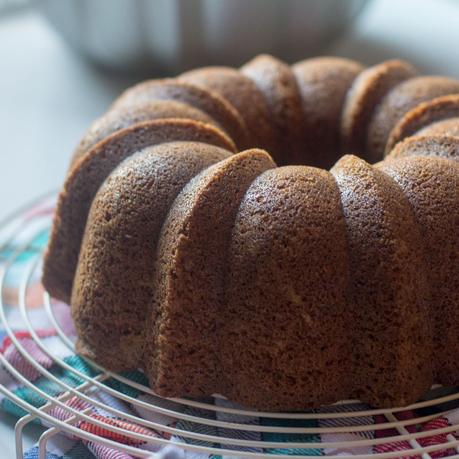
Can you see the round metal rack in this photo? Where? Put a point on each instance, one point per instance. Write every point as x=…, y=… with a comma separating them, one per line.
x=146, y=425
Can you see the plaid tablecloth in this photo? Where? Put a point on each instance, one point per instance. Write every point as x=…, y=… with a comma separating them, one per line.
x=24, y=238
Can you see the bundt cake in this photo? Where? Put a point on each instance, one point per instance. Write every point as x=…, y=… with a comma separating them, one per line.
x=269, y=279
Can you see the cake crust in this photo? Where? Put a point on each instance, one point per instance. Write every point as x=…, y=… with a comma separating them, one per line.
x=246, y=98
x=399, y=101
x=442, y=146
x=289, y=239
x=278, y=84
x=88, y=174
x=126, y=219
x=431, y=185
x=125, y=117
x=421, y=116
x=323, y=83
x=193, y=263
x=206, y=100
x=389, y=290
x=365, y=94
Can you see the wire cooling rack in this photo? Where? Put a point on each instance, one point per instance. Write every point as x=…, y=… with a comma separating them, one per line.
x=156, y=427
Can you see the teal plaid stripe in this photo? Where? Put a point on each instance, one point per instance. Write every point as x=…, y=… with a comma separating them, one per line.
x=281, y=437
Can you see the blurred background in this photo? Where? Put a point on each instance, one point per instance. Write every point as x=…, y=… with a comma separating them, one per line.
x=62, y=62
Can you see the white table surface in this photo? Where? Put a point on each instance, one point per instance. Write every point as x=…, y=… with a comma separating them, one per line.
x=48, y=96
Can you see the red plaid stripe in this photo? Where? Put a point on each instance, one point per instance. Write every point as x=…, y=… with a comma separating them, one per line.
x=20, y=335
x=120, y=438
x=438, y=423
x=433, y=440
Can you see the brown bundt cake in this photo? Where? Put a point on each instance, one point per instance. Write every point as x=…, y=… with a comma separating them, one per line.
x=281, y=288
